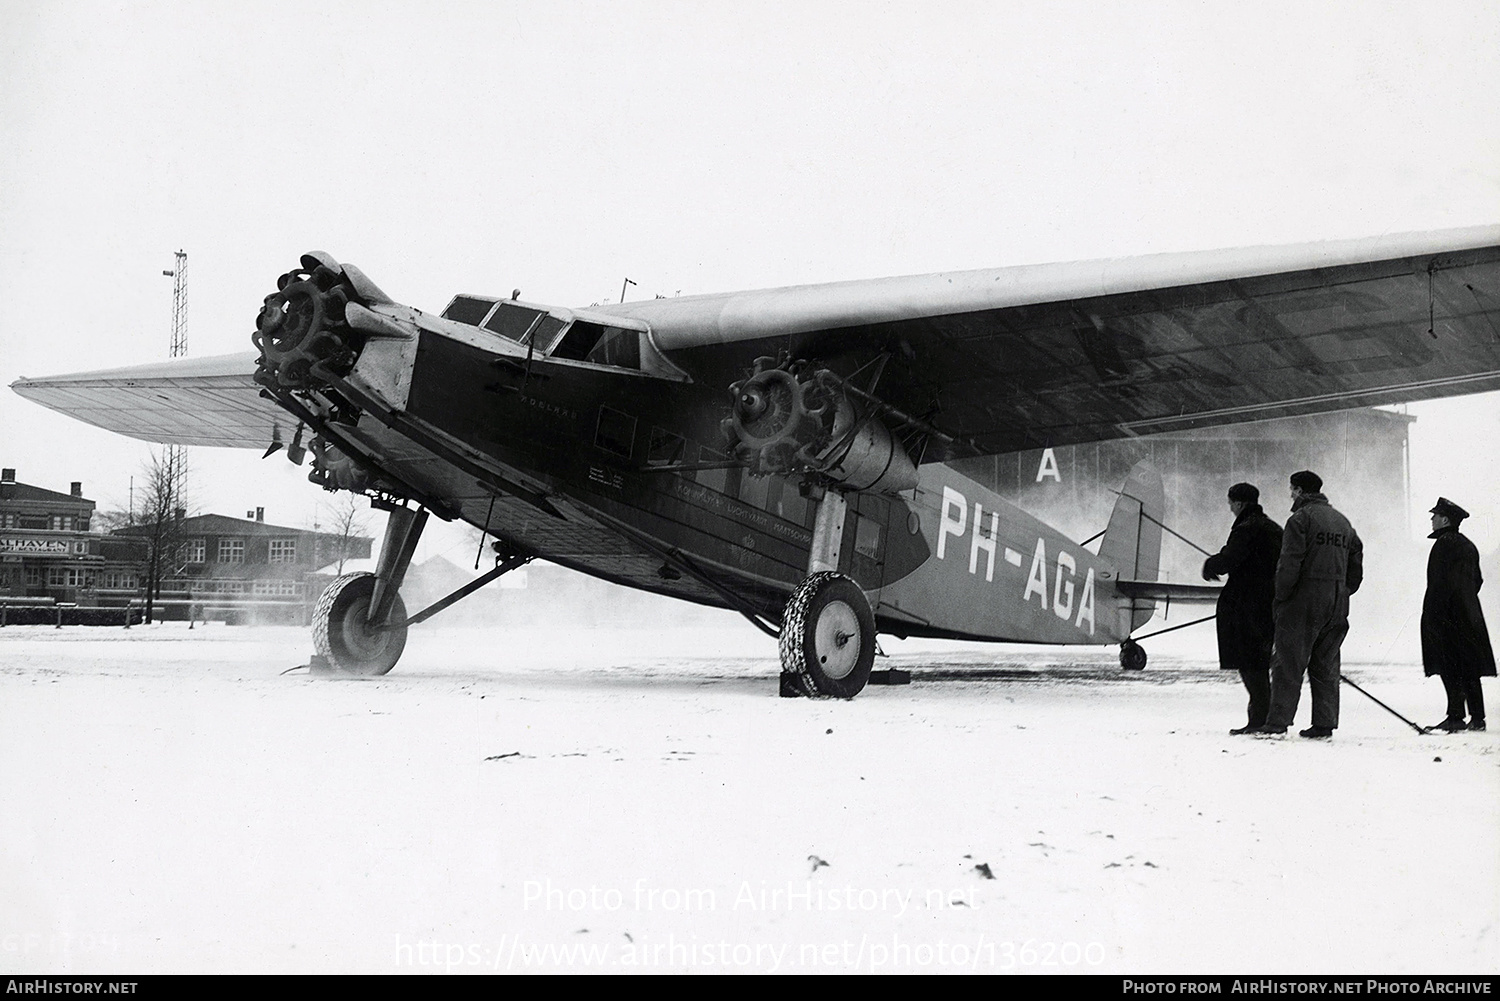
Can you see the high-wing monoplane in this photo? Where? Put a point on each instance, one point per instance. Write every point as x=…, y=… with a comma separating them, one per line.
x=782, y=452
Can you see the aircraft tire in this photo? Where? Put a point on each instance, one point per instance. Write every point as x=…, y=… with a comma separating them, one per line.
x=828, y=636
x=343, y=637
x=1132, y=656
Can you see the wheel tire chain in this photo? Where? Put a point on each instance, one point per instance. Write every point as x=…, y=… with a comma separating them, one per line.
x=794, y=625
x=321, y=614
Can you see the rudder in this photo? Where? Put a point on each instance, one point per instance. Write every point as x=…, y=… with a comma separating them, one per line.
x=1132, y=542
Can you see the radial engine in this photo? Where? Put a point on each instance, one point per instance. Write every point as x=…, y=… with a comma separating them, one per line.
x=310, y=332
x=302, y=324
x=798, y=418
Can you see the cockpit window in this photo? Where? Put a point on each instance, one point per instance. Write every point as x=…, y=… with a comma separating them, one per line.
x=468, y=309
x=601, y=345
x=512, y=321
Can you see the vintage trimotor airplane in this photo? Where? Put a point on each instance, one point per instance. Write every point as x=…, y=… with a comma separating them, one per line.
x=782, y=452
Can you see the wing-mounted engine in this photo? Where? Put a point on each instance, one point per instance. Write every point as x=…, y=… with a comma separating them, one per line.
x=799, y=418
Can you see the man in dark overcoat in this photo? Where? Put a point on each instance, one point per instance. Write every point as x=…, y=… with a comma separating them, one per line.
x=1455, y=643
x=1244, y=611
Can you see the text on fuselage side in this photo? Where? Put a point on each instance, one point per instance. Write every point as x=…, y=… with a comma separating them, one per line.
x=955, y=520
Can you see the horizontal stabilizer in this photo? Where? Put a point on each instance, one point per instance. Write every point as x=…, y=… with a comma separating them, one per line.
x=1168, y=591
x=186, y=401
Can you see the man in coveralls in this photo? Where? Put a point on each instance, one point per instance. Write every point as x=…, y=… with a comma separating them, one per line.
x=1244, y=611
x=1321, y=564
x=1455, y=642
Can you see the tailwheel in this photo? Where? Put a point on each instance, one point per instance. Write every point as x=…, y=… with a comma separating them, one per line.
x=344, y=635
x=828, y=636
x=1132, y=656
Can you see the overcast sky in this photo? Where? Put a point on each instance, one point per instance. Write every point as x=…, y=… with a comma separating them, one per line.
x=561, y=148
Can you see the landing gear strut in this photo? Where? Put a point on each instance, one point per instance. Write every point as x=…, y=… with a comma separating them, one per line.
x=828, y=629
x=360, y=622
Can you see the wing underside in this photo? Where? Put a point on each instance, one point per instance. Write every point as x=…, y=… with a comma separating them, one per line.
x=196, y=401
x=1147, y=360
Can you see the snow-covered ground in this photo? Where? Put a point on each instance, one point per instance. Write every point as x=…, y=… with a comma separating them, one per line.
x=560, y=799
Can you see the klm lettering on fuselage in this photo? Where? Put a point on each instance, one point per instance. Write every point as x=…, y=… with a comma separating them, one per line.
x=1064, y=594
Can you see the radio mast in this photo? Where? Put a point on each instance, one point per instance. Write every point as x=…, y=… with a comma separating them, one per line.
x=179, y=305
x=175, y=460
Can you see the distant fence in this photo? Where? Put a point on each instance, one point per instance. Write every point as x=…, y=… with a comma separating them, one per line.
x=68, y=615
x=19, y=611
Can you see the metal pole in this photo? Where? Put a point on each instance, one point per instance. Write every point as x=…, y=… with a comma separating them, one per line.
x=1419, y=729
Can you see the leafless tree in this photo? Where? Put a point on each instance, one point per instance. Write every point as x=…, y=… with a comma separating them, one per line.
x=159, y=512
x=105, y=522
x=346, y=518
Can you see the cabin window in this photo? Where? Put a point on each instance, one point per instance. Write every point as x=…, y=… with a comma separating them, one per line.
x=231, y=550
x=867, y=537
x=616, y=432
x=600, y=345
x=665, y=448
x=754, y=490
x=789, y=502
x=194, y=551
x=726, y=481
x=283, y=551
x=468, y=309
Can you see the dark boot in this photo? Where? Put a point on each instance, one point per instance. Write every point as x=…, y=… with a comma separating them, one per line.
x=1316, y=732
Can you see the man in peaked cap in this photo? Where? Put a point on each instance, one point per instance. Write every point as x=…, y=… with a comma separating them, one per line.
x=1321, y=564
x=1455, y=642
x=1243, y=615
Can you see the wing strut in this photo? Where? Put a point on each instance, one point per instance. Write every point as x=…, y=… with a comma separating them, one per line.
x=680, y=560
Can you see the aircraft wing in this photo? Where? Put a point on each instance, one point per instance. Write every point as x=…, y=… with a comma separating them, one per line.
x=187, y=401
x=1017, y=358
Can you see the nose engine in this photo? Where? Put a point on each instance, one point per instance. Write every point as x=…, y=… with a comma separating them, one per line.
x=798, y=418
x=310, y=332
x=302, y=325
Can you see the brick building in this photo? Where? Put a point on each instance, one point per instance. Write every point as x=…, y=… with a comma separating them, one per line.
x=243, y=569
x=46, y=548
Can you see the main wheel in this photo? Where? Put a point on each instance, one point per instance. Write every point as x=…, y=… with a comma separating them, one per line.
x=828, y=636
x=343, y=634
x=1132, y=656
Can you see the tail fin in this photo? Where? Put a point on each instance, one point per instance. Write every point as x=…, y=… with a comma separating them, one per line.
x=1132, y=542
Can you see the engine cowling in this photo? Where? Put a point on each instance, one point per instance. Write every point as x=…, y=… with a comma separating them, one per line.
x=797, y=418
